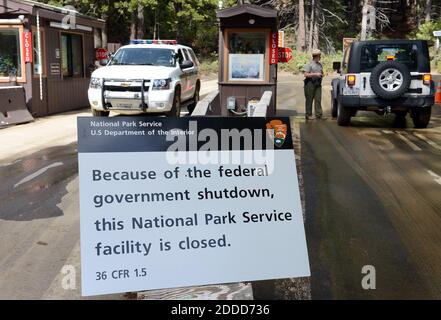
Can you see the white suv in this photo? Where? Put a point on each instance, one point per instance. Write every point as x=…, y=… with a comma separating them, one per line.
x=147, y=76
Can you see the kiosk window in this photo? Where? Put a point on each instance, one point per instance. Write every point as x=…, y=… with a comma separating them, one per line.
x=247, y=53
x=248, y=42
x=10, y=52
x=72, y=55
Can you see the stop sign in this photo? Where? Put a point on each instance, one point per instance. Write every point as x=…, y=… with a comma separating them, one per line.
x=100, y=54
x=285, y=54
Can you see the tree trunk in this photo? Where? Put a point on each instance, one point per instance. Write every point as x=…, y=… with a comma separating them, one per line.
x=311, y=26
x=133, y=19
x=141, y=26
x=366, y=22
x=428, y=11
x=315, y=40
x=301, y=32
x=179, y=35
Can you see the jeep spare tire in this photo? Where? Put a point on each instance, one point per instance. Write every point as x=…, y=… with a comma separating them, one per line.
x=390, y=79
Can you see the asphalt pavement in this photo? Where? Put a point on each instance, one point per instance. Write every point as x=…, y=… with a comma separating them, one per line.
x=372, y=197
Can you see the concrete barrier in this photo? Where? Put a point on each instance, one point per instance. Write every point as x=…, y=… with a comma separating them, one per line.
x=261, y=108
x=13, y=108
x=207, y=105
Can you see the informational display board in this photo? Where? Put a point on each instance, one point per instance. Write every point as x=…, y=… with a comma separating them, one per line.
x=175, y=202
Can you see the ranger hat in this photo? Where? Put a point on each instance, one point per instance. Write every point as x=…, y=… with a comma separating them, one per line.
x=316, y=52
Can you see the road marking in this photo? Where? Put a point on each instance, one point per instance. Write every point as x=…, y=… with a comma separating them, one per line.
x=430, y=142
x=37, y=173
x=412, y=145
x=437, y=178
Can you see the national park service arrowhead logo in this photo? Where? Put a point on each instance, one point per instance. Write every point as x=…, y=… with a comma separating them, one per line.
x=278, y=131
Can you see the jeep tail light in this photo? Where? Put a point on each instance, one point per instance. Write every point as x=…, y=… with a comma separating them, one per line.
x=427, y=78
x=350, y=80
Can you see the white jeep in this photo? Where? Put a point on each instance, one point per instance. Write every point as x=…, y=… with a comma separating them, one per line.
x=384, y=76
x=147, y=76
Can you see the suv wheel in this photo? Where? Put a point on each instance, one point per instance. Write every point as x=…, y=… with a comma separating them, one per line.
x=390, y=79
x=175, y=111
x=99, y=113
x=334, y=107
x=195, y=98
x=343, y=115
x=421, y=116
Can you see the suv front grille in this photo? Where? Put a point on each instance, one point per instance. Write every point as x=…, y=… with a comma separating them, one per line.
x=123, y=85
x=125, y=89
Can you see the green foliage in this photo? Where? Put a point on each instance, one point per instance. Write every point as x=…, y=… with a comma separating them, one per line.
x=300, y=59
x=7, y=65
x=192, y=22
x=425, y=31
x=209, y=67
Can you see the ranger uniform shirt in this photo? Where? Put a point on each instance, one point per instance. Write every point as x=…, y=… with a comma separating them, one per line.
x=313, y=67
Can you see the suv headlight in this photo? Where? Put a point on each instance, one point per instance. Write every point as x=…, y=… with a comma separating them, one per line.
x=95, y=83
x=161, y=84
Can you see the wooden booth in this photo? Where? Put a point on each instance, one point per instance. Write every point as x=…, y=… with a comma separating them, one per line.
x=50, y=52
x=248, y=54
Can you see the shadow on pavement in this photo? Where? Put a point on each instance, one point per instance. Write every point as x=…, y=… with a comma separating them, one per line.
x=32, y=186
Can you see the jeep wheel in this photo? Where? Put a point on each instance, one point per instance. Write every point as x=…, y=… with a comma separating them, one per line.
x=175, y=111
x=421, y=116
x=99, y=113
x=334, y=107
x=390, y=79
x=343, y=115
x=195, y=99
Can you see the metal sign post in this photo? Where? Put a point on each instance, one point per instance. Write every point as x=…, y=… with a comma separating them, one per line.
x=437, y=34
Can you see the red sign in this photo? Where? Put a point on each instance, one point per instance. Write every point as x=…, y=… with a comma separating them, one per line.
x=285, y=54
x=273, y=48
x=100, y=54
x=27, y=46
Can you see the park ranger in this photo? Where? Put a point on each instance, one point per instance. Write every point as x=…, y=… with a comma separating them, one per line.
x=313, y=73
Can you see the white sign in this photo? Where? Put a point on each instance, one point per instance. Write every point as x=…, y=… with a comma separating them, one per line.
x=156, y=216
x=437, y=33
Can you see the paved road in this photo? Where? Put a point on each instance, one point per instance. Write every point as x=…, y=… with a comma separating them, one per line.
x=372, y=197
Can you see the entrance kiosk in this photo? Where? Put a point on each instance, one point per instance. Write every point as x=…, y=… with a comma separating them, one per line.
x=248, y=56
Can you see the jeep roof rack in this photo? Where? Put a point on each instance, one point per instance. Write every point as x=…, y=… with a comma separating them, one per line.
x=151, y=41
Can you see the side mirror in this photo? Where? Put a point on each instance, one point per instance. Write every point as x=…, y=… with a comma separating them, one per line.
x=336, y=66
x=186, y=64
x=103, y=62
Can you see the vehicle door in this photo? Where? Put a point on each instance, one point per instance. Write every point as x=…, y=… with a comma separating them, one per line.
x=195, y=75
x=188, y=75
x=183, y=76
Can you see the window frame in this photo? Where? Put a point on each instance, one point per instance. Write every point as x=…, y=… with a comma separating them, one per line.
x=226, y=55
x=413, y=47
x=61, y=32
x=20, y=28
x=43, y=52
x=193, y=56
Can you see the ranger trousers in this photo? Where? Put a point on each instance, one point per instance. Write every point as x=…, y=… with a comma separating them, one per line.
x=313, y=93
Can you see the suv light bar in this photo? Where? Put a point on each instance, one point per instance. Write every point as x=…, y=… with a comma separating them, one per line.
x=151, y=41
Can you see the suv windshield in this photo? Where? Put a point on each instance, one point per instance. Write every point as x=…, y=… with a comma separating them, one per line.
x=144, y=56
x=373, y=54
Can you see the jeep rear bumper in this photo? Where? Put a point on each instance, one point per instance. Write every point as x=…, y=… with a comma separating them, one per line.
x=414, y=101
